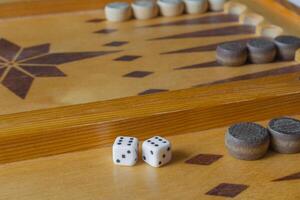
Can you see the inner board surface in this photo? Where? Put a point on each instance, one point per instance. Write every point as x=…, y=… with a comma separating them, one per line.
x=92, y=174
x=66, y=59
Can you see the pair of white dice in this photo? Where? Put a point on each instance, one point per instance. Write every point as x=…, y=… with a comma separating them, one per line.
x=156, y=151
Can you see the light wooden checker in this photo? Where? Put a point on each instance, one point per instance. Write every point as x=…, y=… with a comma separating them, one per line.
x=92, y=175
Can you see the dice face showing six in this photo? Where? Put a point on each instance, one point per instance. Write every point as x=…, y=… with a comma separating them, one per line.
x=125, y=151
x=156, y=151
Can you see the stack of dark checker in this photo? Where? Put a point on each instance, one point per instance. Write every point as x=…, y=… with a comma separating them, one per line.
x=258, y=50
x=251, y=141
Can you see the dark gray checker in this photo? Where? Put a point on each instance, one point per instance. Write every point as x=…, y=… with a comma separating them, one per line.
x=232, y=47
x=287, y=46
x=247, y=141
x=249, y=132
x=285, y=125
x=127, y=58
x=227, y=190
x=204, y=159
x=232, y=53
x=152, y=91
x=285, y=133
x=116, y=43
x=261, y=50
x=138, y=74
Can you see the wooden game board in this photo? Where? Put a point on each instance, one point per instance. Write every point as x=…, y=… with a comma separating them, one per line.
x=92, y=175
x=72, y=81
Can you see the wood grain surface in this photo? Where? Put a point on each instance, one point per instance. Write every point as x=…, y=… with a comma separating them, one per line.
x=40, y=7
x=290, y=6
x=53, y=131
x=91, y=175
x=72, y=72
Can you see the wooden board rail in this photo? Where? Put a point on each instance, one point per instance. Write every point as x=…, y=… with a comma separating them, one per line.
x=59, y=130
x=38, y=7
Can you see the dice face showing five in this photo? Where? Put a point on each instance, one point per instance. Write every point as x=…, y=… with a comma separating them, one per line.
x=157, y=151
x=125, y=151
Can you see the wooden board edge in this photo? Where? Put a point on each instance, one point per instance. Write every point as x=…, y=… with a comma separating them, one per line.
x=276, y=14
x=40, y=7
x=289, y=6
x=54, y=131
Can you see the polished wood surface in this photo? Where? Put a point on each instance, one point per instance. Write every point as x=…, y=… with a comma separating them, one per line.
x=42, y=7
x=289, y=5
x=102, y=77
x=92, y=175
x=75, y=96
x=86, y=103
x=53, y=131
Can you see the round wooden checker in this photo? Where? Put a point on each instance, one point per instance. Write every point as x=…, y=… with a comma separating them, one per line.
x=196, y=6
x=247, y=141
x=232, y=54
x=216, y=5
x=287, y=46
x=261, y=50
x=170, y=8
x=144, y=9
x=118, y=11
x=285, y=134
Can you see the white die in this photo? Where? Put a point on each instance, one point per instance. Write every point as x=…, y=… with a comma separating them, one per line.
x=125, y=151
x=156, y=151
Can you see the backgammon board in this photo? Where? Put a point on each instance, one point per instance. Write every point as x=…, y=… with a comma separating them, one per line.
x=72, y=81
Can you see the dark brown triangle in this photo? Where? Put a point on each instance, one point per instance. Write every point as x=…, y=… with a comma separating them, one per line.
x=33, y=51
x=152, y=91
x=201, y=65
x=2, y=70
x=60, y=58
x=210, y=47
x=17, y=82
x=215, y=64
x=43, y=71
x=224, y=31
x=295, y=176
x=214, y=19
x=95, y=20
x=8, y=50
x=267, y=73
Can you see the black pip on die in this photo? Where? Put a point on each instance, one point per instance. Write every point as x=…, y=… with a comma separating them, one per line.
x=157, y=151
x=125, y=151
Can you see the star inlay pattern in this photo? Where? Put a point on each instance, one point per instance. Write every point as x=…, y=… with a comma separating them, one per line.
x=20, y=66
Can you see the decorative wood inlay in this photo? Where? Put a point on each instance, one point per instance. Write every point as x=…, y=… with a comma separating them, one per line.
x=24, y=64
x=127, y=58
x=106, y=31
x=214, y=19
x=216, y=64
x=225, y=31
x=210, y=47
x=95, y=20
x=152, y=91
x=116, y=43
x=201, y=65
x=227, y=190
x=295, y=176
x=204, y=159
x=138, y=74
x=267, y=73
